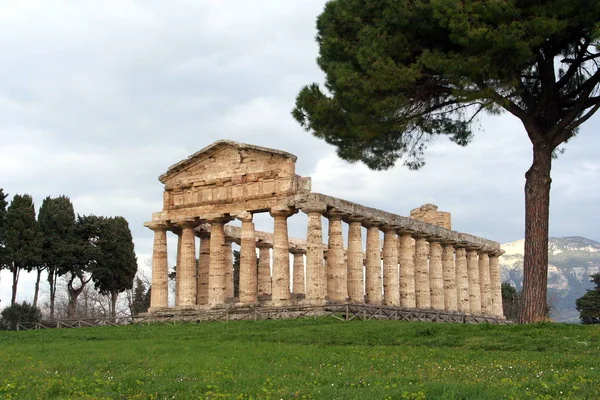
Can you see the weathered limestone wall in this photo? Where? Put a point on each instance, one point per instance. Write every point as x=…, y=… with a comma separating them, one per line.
x=429, y=213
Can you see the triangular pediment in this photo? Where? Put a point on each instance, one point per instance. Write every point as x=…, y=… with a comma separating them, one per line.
x=228, y=159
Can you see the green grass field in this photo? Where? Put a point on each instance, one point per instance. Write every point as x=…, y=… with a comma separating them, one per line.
x=304, y=359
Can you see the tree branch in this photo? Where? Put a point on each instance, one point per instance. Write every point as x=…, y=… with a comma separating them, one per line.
x=575, y=65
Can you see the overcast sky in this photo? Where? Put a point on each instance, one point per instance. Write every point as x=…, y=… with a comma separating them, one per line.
x=98, y=98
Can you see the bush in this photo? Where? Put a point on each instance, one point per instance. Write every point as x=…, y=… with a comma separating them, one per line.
x=17, y=313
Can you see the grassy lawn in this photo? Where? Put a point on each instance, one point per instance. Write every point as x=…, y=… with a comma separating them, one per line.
x=304, y=359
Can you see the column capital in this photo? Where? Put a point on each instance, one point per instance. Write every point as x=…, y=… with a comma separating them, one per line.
x=157, y=225
x=388, y=228
x=447, y=242
x=406, y=231
x=334, y=214
x=186, y=222
x=476, y=249
x=282, y=211
x=217, y=218
x=313, y=207
x=484, y=251
x=244, y=216
x=372, y=223
x=497, y=252
x=350, y=218
x=202, y=234
x=264, y=245
x=297, y=250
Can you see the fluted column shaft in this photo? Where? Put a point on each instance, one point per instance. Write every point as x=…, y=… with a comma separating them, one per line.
x=298, y=268
x=496, y=285
x=391, y=290
x=264, y=270
x=248, y=285
x=484, y=283
x=422, y=273
x=462, y=281
x=216, y=274
x=228, y=256
x=281, y=256
x=177, y=231
x=316, y=282
x=187, y=273
x=373, y=273
x=355, y=262
x=203, y=267
x=474, y=288
x=436, y=279
x=449, y=275
x=159, y=296
x=337, y=284
x=407, y=271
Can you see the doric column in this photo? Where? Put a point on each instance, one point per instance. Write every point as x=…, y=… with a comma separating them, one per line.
x=474, y=288
x=391, y=290
x=203, y=266
x=355, y=261
x=422, y=272
x=298, y=268
x=449, y=275
x=228, y=256
x=187, y=273
x=436, y=279
x=281, y=255
x=462, y=281
x=484, y=283
x=337, y=284
x=248, y=286
x=159, y=296
x=496, y=285
x=217, y=268
x=373, y=269
x=177, y=231
x=407, y=270
x=264, y=269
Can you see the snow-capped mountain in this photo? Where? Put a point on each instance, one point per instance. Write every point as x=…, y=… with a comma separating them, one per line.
x=571, y=261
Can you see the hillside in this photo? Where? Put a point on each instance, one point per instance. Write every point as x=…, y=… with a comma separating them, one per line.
x=571, y=262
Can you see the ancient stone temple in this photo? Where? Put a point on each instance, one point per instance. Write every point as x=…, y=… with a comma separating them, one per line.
x=421, y=263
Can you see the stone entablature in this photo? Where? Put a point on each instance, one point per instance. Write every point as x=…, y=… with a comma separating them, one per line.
x=421, y=263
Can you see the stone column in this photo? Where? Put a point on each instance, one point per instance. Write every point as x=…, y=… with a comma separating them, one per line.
x=228, y=255
x=298, y=268
x=496, y=285
x=484, y=283
x=177, y=231
x=391, y=290
x=474, y=289
x=355, y=261
x=422, y=272
x=449, y=275
x=217, y=269
x=337, y=284
x=462, y=281
x=159, y=296
x=248, y=286
x=203, y=266
x=373, y=269
x=281, y=256
x=407, y=270
x=264, y=269
x=316, y=279
x=436, y=279
x=187, y=273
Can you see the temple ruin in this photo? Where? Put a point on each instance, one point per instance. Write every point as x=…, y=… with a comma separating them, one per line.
x=421, y=264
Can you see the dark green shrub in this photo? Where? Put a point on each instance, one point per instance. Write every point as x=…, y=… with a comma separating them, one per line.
x=13, y=315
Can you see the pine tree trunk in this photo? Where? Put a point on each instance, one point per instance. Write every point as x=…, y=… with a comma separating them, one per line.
x=37, y=288
x=113, y=303
x=52, y=276
x=15, y=282
x=537, y=213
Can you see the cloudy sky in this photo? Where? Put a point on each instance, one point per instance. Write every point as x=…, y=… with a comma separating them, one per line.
x=98, y=98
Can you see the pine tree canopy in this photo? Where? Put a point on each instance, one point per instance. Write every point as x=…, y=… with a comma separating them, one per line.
x=589, y=304
x=3, y=205
x=57, y=224
x=399, y=73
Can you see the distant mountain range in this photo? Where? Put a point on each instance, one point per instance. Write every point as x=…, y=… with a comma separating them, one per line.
x=571, y=261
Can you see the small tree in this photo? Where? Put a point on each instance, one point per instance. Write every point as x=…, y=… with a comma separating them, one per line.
x=236, y=273
x=116, y=264
x=588, y=305
x=511, y=301
x=23, y=241
x=57, y=226
x=141, y=297
x=18, y=313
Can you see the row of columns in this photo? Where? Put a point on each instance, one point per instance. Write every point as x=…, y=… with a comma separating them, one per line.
x=417, y=272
